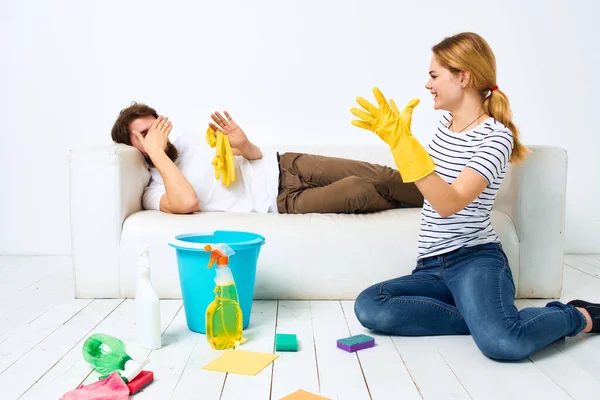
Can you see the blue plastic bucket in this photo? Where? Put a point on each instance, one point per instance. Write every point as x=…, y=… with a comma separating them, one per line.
x=198, y=281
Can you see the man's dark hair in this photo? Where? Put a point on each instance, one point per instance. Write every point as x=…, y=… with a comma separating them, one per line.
x=120, y=131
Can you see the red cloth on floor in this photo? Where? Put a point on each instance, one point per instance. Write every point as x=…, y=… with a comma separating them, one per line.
x=111, y=388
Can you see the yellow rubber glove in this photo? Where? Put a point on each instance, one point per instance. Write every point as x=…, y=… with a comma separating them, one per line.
x=223, y=161
x=229, y=164
x=412, y=160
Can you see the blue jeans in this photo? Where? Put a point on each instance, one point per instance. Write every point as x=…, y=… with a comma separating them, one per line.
x=466, y=291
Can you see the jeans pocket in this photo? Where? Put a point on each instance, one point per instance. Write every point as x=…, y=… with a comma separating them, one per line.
x=506, y=267
x=503, y=255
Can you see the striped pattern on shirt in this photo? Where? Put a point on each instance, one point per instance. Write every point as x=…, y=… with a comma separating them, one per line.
x=486, y=149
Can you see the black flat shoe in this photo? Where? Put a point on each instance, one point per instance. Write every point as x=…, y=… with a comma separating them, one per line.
x=593, y=309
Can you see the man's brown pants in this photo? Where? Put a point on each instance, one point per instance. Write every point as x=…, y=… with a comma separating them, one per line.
x=318, y=184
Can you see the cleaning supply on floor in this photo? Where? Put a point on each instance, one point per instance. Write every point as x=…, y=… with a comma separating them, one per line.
x=241, y=362
x=223, y=314
x=286, y=342
x=143, y=379
x=198, y=283
x=107, y=354
x=147, y=306
x=304, y=395
x=111, y=388
x=355, y=343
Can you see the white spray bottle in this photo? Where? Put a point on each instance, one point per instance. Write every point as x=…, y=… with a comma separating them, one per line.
x=147, y=306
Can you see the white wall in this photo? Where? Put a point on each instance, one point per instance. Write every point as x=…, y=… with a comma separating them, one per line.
x=288, y=71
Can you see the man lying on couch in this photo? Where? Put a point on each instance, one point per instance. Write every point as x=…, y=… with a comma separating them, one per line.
x=183, y=179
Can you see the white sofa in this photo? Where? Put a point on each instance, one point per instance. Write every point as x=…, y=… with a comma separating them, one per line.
x=311, y=256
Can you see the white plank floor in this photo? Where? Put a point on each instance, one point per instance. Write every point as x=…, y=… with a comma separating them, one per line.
x=42, y=328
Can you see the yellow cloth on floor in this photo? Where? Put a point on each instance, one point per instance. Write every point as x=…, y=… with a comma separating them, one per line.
x=393, y=127
x=304, y=395
x=241, y=362
x=223, y=161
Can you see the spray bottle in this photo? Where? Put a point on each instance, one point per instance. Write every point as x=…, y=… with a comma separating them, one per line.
x=223, y=314
x=107, y=354
x=147, y=306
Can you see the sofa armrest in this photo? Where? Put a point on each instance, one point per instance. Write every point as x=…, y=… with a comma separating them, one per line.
x=106, y=186
x=534, y=198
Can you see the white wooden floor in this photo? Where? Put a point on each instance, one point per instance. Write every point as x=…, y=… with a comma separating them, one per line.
x=42, y=329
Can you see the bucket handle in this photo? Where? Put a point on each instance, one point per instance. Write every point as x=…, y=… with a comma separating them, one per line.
x=187, y=245
x=200, y=246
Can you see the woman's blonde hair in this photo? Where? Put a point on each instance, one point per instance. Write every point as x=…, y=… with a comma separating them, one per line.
x=470, y=52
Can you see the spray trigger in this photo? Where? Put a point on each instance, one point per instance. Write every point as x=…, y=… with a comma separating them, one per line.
x=219, y=253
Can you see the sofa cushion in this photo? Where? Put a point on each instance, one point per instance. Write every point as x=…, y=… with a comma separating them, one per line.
x=309, y=256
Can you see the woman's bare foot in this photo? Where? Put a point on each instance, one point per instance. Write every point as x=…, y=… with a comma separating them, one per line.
x=588, y=318
x=591, y=312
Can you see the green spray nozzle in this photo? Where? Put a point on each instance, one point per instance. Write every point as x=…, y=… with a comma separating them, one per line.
x=219, y=253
